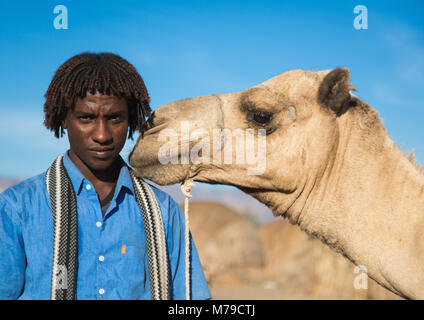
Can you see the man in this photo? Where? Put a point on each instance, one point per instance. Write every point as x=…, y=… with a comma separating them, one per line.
x=88, y=241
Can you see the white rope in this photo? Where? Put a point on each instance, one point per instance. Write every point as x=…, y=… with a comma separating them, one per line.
x=186, y=188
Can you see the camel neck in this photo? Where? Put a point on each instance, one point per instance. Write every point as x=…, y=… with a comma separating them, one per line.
x=370, y=204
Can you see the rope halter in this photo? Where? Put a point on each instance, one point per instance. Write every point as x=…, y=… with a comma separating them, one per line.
x=185, y=189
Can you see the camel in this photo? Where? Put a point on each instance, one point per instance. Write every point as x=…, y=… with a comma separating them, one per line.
x=331, y=167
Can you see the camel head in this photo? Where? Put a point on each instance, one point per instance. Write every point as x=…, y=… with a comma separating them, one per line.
x=272, y=140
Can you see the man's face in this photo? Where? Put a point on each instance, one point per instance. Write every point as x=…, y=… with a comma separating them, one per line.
x=97, y=129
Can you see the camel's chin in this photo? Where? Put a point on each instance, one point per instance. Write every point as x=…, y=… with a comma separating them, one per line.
x=163, y=174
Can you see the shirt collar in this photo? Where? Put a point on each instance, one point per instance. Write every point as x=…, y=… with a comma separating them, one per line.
x=78, y=179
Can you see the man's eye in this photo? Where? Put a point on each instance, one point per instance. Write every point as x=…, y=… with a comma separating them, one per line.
x=262, y=117
x=86, y=117
x=115, y=118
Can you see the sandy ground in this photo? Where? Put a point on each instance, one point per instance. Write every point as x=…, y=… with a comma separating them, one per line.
x=250, y=292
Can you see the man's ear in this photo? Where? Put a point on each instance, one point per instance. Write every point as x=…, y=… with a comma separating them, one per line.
x=334, y=90
x=64, y=124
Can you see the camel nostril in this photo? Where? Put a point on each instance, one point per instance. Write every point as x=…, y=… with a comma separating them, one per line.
x=150, y=120
x=155, y=128
x=154, y=124
x=147, y=125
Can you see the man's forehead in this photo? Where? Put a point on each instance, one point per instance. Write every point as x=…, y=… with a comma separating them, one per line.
x=96, y=100
x=102, y=97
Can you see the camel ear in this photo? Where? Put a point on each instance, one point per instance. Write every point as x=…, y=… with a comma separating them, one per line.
x=334, y=90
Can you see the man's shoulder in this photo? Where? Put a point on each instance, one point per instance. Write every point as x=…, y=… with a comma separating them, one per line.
x=161, y=195
x=165, y=199
x=23, y=189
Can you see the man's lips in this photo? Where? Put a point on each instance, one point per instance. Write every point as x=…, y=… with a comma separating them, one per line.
x=102, y=152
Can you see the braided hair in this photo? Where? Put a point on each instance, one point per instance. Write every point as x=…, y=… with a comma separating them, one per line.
x=106, y=73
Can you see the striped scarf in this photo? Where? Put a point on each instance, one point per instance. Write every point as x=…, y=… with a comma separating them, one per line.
x=65, y=237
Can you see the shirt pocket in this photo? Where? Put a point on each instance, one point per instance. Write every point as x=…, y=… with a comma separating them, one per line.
x=133, y=257
x=134, y=268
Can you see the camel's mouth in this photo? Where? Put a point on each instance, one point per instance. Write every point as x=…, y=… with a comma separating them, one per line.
x=163, y=174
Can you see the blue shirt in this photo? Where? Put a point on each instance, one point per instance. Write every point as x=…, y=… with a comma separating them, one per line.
x=112, y=257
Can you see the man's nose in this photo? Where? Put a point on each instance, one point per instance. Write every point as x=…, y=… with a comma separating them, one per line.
x=102, y=134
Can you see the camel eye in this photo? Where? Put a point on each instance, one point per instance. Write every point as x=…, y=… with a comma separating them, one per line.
x=262, y=117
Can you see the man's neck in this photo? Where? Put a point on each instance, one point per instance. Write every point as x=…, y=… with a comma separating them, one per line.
x=101, y=179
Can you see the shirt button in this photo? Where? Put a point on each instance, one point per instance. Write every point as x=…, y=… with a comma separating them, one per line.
x=88, y=187
x=98, y=224
x=101, y=291
x=101, y=258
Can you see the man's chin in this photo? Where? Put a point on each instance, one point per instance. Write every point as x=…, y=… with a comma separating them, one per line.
x=101, y=164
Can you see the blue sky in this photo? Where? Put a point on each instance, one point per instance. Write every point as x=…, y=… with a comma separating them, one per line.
x=190, y=48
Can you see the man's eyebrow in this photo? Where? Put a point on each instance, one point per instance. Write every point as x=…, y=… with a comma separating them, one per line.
x=116, y=112
x=81, y=112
